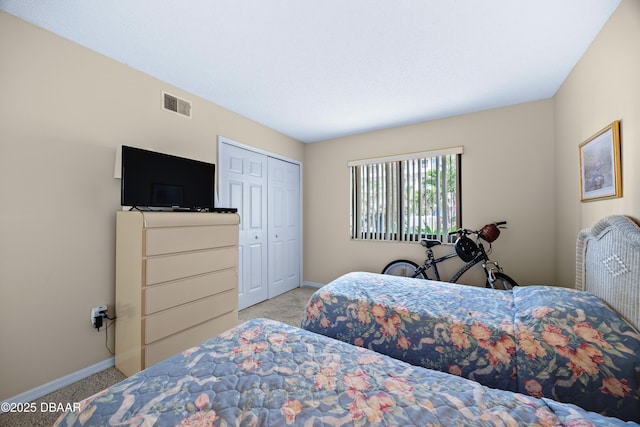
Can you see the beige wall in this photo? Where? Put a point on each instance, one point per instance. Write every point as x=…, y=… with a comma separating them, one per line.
x=507, y=174
x=521, y=163
x=64, y=109
x=603, y=87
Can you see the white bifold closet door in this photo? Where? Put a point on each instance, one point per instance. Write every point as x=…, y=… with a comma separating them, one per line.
x=266, y=192
x=283, y=226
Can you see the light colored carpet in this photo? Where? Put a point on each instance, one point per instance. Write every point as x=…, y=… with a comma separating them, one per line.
x=287, y=308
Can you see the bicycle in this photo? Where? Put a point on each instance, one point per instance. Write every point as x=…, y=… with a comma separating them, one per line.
x=470, y=252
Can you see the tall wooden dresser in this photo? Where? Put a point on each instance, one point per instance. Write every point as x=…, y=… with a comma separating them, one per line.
x=176, y=283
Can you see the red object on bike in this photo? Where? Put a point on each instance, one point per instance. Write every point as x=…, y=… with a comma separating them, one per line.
x=489, y=232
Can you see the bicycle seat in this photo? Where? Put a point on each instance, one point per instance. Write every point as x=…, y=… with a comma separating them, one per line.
x=429, y=243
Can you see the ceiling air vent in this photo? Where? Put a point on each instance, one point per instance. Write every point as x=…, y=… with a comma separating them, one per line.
x=175, y=104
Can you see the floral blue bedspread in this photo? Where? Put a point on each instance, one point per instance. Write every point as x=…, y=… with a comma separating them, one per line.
x=543, y=341
x=266, y=373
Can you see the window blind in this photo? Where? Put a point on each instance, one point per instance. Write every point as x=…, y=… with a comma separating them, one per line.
x=406, y=197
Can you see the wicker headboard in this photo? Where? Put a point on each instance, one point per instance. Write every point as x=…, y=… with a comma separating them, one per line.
x=608, y=264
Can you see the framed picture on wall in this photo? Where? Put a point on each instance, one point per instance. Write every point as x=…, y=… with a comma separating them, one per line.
x=600, y=176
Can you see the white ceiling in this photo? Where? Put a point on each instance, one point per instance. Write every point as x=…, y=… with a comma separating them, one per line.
x=316, y=70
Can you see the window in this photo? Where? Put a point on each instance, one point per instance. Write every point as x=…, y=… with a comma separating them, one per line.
x=406, y=197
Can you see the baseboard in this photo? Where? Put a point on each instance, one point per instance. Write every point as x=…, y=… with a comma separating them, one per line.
x=59, y=383
x=312, y=284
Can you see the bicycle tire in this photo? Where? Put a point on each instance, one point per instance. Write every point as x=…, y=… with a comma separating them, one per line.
x=502, y=282
x=404, y=268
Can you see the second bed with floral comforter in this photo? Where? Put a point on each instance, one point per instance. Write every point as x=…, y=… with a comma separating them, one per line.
x=543, y=341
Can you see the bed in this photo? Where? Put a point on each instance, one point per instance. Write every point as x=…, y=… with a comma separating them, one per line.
x=572, y=345
x=267, y=373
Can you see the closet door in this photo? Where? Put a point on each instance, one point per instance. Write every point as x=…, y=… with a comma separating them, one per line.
x=243, y=185
x=284, y=226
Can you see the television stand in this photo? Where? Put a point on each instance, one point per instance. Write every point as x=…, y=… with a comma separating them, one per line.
x=176, y=209
x=223, y=210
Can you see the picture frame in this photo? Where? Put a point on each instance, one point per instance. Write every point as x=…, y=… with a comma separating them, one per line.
x=600, y=176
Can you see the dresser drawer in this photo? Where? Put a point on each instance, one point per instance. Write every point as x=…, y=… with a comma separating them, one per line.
x=174, y=344
x=169, y=322
x=171, y=294
x=170, y=240
x=172, y=267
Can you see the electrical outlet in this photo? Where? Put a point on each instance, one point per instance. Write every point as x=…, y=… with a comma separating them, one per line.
x=95, y=312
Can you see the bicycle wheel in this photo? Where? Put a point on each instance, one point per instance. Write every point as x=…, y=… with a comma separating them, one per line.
x=502, y=281
x=404, y=268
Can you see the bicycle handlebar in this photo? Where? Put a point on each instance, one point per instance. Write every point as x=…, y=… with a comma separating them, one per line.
x=465, y=231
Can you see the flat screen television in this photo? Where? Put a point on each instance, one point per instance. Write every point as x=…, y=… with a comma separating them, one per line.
x=157, y=180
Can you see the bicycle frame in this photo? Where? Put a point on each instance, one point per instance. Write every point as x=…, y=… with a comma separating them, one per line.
x=432, y=263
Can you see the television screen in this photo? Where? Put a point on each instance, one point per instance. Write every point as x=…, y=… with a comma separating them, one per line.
x=152, y=179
